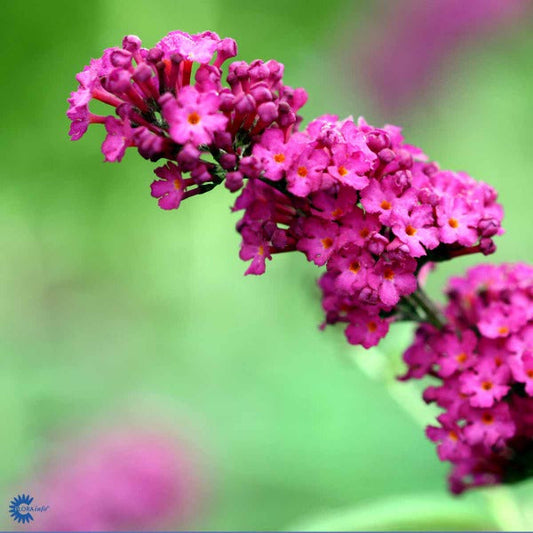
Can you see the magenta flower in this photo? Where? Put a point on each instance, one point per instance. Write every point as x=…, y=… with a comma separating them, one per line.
x=256, y=248
x=486, y=385
x=273, y=154
x=366, y=330
x=394, y=277
x=353, y=267
x=382, y=199
x=358, y=228
x=349, y=168
x=81, y=118
x=450, y=447
x=89, y=87
x=306, y=172
x=333, y=206
x=489, y=426
x=457, y=221
x=170, y=189
x=199, y=48
x=193, y=116
x=522, y=368
x=320, y=243
x=499, y=320
x=455, y=354
x=417, y=230
x=119, y=137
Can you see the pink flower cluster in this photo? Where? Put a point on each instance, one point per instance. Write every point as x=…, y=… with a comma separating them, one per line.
x=425, y=36
x=483, y=361
x=350, y=196
x=368, y=206
x=120, y=481
x=170, y=103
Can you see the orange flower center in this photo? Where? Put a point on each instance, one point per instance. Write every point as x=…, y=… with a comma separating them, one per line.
x=486, y=385
x=193, y=118
x=302, y=172
x=487, y=418
x=327, y=242
x=177, y=184
x=279, y=158
x=336, y=213
x=410, y=230
x=364, y=233
x=343, y=171
x=355, y=267
x=453, y=223
x=453, y=436
x=461, y=358
x=529, y=374
x=372, y=326
x=504, y=330
x=388, y=274
x=386, y=205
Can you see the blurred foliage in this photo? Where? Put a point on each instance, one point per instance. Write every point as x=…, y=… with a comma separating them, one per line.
x=107, y=301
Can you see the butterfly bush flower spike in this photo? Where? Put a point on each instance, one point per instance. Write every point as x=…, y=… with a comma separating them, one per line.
x=482, y=363
x=166, y=112
x=355, y=199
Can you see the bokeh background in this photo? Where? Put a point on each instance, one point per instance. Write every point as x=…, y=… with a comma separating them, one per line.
x=112, y=310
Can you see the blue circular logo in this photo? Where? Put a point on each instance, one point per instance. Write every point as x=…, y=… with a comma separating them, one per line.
x=19, y=508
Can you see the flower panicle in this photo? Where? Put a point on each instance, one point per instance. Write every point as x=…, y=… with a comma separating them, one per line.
x=171, y=102
x=483, y=363
x=354, y=198
x=370, y=208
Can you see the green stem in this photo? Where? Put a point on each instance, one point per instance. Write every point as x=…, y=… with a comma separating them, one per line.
x=502, y=504
x=401, y=513
x=505, y=509
x=433, y=314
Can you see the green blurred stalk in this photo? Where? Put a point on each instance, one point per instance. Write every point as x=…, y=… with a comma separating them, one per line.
x=503, y=506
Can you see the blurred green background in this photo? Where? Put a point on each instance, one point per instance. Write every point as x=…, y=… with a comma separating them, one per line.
x=108, y=303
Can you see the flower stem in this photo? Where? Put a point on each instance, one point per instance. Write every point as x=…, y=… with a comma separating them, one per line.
x=503, y=506
x=431, y=311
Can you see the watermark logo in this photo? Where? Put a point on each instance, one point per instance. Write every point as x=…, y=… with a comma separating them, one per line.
x=21, y=508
